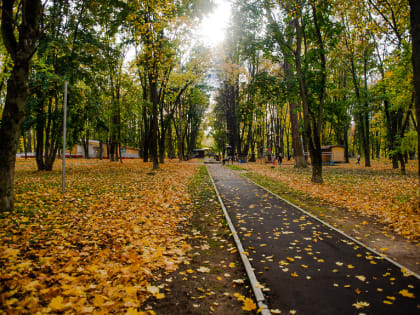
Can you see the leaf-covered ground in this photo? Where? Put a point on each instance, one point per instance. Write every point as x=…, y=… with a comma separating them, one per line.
x=213, y=280
x=100, y=246
x=378, y=191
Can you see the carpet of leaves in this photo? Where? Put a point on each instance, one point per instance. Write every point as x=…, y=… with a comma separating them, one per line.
x=378, y=191
x=99, y=247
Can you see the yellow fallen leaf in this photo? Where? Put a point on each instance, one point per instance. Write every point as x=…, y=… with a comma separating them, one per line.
x=131, y=290
x=361, y=304
x=406, y=293
x=57, y=303
x=153, y=289
x=98, y=301
x=406, y=273
x=239, y=296
x=249, y=305
x=159, y=296
x=132, y=311
x=203, y=269
x=259, y=285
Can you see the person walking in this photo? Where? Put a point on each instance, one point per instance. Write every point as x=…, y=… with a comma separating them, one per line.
x=280, y=158
x=358, y=159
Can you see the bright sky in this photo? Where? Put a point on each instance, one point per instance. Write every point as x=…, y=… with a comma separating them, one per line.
x=212, y=29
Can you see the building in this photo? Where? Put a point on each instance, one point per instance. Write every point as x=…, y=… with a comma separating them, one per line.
x=95, y=148
x=200, y=153
x=78, y=151
x=333, y=154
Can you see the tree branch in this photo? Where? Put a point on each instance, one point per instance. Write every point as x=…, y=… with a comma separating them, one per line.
x=7, y=27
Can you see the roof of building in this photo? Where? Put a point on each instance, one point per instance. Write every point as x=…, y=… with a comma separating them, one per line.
x=328, y=147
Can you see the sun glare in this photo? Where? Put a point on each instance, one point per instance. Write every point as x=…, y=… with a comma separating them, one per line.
x=213, y=26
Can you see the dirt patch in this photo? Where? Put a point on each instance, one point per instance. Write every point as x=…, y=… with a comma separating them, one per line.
x=213, y=280
x=366, y=229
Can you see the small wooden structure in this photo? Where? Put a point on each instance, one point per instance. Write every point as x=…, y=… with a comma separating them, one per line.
x=200, y=153
x=95, y=151
x=333, y=154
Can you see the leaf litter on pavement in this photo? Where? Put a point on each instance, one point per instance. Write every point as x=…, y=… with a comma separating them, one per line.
x=377, y=191
x=284, y=239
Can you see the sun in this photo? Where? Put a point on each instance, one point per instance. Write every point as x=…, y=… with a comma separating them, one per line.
x=212, y=29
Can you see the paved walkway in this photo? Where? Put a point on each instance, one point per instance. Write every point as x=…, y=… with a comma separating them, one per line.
x=304, y=265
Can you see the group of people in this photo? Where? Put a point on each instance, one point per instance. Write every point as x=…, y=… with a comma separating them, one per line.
x=227, y=159
x=279, y=159
x=230, y=158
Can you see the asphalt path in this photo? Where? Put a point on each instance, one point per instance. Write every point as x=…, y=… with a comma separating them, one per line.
x=305, y=267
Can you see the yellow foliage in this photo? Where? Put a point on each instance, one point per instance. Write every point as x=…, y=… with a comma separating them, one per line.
x=99, y=245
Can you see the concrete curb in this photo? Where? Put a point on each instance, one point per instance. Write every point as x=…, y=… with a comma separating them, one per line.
x=249, y=270
x=335, y=229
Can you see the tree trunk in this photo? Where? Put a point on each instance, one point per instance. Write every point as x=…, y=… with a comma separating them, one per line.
x=298, y=154
x=39, y=132
x=365, y=121
x=10, y=129
x=312, y=121
x=21, y=51
x=154, y=125
x=297, y=146
x=402, y=162
x=162, y=147
x=415, y=59
x=25, y=147
x=85, y=143
x=346, y=145
x=101, y=149
x=171, y=153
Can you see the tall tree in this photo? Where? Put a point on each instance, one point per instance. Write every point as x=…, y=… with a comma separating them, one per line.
x=415, y=37
x=21, y=48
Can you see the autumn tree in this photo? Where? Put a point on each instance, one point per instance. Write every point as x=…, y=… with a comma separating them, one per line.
x=415, y=37
x=20, y=33
x=155, y=26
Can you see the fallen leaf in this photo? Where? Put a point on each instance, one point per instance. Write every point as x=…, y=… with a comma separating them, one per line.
x=361, y=304
x=406, y=293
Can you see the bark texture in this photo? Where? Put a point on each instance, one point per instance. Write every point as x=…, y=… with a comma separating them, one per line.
x=21, y=51
x=415, y=36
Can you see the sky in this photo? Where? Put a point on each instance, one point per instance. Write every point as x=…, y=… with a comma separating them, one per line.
x=212, y=29
x=211, y=33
